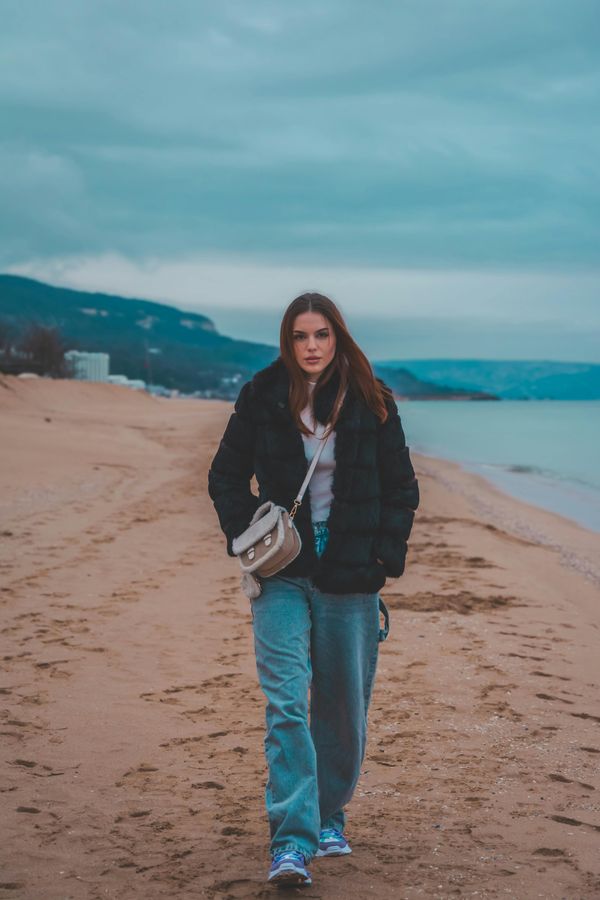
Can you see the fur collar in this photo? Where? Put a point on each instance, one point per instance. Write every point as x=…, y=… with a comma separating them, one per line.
x=271, y=386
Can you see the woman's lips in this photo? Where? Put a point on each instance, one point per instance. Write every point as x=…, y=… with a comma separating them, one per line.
x=312, y=359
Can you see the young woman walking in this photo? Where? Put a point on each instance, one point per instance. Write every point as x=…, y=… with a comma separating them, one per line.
x=316, y=622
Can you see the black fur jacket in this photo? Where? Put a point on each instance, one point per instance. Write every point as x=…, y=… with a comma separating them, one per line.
x=375, y=491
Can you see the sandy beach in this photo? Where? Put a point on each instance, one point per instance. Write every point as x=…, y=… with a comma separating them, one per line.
x=132, y=722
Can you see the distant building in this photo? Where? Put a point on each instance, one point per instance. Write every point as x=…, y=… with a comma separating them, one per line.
x=123, y=380
x=89, y=366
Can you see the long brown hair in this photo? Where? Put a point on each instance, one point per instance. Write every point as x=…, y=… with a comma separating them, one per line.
x=349, y=361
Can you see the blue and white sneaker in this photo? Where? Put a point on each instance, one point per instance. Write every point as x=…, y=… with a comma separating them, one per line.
x=332, y=843
x=289, y=867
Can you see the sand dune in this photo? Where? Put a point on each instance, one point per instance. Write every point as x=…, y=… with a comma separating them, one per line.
x=132, y=723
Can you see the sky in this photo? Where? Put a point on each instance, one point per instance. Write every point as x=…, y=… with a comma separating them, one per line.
x=433, y=166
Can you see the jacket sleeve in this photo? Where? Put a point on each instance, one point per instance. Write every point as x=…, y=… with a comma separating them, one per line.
x=232, y=469
x=399, y=493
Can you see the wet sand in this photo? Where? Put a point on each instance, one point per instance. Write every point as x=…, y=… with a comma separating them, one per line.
x=132, y=723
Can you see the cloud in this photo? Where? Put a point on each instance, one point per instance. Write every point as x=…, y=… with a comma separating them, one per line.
x=394, y=313
x=416, y=134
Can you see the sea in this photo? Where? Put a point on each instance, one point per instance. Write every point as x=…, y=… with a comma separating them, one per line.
x=546, y=452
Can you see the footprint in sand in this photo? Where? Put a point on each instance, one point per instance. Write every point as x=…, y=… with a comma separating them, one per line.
x=554, y=776
x=202, y=712
x=150, y=696
x=147, y=778
x=553, y=698
x=182, y=741
x=524, y=655
x=478, y=562
x=223, y=680
x=166, y=696
x=584, y=715
x=176, y=689
x=549, y=675
x=488, y=688
x=575, y=823
x=463, y=602
x=208, y=785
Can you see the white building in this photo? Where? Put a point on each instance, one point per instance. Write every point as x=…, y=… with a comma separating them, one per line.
x=123, y=380
x=89, y=366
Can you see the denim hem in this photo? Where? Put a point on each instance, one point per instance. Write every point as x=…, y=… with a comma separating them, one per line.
x=306, y=854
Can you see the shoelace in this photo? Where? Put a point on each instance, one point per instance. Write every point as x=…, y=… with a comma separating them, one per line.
x=289, y=854
x=329, y=833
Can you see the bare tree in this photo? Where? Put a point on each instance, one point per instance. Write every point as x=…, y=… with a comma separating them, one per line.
x=45, y=349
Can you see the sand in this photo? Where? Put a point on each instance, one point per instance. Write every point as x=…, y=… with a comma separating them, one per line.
x=132, y=723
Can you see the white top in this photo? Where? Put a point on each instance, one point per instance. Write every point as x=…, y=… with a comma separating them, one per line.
x=319, y=489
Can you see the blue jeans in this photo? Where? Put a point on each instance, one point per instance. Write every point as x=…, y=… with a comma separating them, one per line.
x=325, y=644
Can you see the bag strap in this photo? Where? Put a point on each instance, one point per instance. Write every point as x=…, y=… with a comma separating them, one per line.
x=313, y=466
x=309, y=475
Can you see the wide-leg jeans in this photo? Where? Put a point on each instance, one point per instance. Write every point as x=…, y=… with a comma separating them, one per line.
x=324, y=645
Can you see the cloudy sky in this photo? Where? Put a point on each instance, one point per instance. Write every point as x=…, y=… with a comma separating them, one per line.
x=433, y=165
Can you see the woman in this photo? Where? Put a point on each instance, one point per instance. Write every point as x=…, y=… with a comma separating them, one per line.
x=316, y=622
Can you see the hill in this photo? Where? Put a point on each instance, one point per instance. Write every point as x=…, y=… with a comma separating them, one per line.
x=164, y=345
x=509, y=379
x=407, y=386
x=156, y=342
x=146, y=340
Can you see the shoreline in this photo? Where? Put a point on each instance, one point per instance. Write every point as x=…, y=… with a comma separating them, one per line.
x=132, y=718
x=541, y=454
x=499, y=480
x=577, y=544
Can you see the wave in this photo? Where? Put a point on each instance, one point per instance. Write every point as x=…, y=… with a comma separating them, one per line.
x=540, y=472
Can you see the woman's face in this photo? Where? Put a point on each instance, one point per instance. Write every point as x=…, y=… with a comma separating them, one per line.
x=314, y=343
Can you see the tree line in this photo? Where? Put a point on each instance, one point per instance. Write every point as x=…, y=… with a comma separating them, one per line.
x=39, y=349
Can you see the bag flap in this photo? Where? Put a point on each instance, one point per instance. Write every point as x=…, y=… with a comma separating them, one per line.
x=263, y=552
x=257, y=530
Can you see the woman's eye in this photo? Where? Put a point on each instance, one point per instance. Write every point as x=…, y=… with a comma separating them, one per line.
x=320, y=336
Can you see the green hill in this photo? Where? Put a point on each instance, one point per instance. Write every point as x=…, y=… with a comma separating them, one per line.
x=146, y=340
x=509, y=379
x=161, y=344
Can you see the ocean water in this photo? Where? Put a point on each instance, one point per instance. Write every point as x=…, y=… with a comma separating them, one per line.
x=546, y=452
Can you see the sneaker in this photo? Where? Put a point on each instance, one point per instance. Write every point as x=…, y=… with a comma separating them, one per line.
x=332, y=843
x=289, y=867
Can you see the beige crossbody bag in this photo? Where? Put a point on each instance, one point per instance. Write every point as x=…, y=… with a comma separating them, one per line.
x=271, y=541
